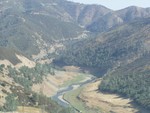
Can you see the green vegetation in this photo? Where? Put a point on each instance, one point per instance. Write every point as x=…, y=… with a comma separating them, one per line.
x=11, y=103
x=118, y=48
x=47, y=104
x=29, y=76
x=23, y=96
x=76, y=79
x=34, y=100
x=74, y=100
x=132, y=80
x=21, y=32
x=107, y=49
x=34, y=25
x=2, y=67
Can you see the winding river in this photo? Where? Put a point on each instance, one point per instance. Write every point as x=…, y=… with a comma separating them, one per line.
x=59, y=96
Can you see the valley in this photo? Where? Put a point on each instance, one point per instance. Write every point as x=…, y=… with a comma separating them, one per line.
x=79, y=91
x=87, y=99
x=59, y=56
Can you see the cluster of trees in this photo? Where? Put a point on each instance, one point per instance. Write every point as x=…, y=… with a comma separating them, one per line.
x=47, y=104
x=98, y=55
x=2, y=67
x=36, y=100
x=132, y=81
x=24, y=96
x=135, y=86
x=29, y=76
x=119, y=44
x=11, y=103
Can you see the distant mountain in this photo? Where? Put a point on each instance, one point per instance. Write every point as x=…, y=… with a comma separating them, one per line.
x=26, y=23
x=133, y=12
x=116, y=18
x=85, y=14
x=105, y=23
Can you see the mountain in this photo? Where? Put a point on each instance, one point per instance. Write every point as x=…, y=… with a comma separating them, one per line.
x=123, y=54
x=33, y=33
x=105, y=23
x=116, y=18
x=26, y=23
x=85, y=14
x=133, y=12
x=124, y=43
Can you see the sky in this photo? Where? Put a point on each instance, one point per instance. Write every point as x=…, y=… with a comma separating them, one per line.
x=116, y=4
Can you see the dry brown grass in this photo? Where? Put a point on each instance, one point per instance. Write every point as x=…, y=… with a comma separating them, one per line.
x=51, y=84
x=24, y=62
x=22, y=109
x=106, y=102
x=6, y=62
x=71, y=68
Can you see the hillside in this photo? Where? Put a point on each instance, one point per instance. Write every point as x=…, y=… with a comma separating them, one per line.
x=113, y=19
x=16, y=89
x=30, y=26
x=24, y=23
x=131, y=80
x=10, y=55
x=122, y=54
x=38, y=35
x=121, y=45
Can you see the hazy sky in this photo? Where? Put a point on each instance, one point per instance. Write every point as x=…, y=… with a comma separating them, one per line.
x=116, y=4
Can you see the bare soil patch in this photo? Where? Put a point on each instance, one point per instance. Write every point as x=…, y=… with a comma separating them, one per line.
x=106, y=102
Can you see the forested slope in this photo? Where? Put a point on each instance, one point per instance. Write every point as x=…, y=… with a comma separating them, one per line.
x=132, y=80
x=124, y=43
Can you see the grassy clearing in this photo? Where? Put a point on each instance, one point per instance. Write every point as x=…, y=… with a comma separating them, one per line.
x=72, y=97
x=80, y=77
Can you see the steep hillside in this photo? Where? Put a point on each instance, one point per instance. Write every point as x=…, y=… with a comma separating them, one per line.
x=85, y=14
x=30, y=26
x=121, y=45
x=115, y=18
x=16, y=89
x=24, y=22
x=132, y=80
x=10, y=55
x=133, y=12
x=33, y=33
x=105, y=23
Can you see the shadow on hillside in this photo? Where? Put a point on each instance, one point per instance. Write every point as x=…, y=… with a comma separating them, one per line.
x=134, y=104
x=97, y=72
x=139, y=108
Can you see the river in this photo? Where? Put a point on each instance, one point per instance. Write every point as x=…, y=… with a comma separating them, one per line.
x=59, y=96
